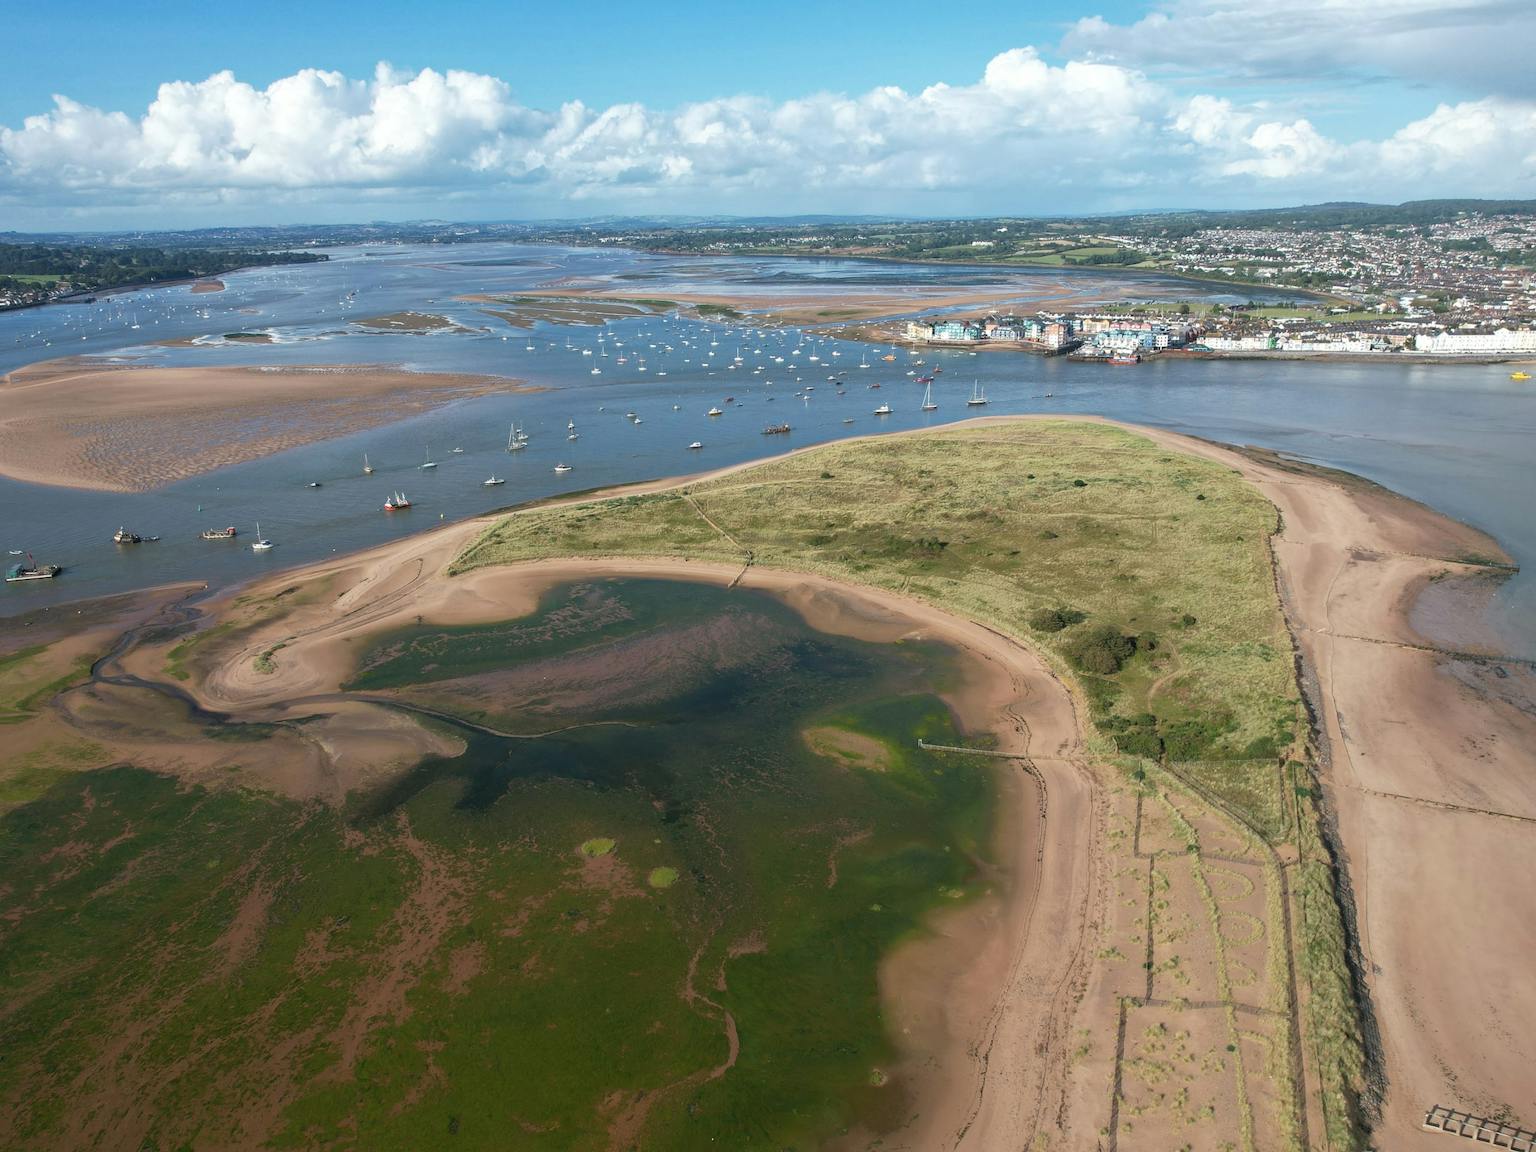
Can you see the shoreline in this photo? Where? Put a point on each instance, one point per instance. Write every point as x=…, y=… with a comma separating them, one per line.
x=1350, y=560
x=1008, y=690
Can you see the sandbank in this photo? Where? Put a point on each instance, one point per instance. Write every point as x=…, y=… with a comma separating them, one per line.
x=78, y=423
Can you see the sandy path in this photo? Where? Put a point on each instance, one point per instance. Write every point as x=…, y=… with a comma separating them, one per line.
x=80, y=423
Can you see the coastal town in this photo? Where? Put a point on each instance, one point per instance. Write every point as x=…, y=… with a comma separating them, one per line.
x=1130, y=335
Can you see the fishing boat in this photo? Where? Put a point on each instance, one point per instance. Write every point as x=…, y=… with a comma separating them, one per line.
x=396, y=502
x=430, y=463
x=776, y=430
x=367, y=467
x=493, y=481
x=1123, y=358
x=696, y=444
x=928, y=404
x=220, y=533
x=883, y=410
x=562, y=468
x=123, y=536
x=31, y=570
x=261, y=544
x=978, y=395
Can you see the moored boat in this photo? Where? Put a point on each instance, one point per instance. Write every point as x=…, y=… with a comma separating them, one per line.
x=396, y=502
x=21, y=573
x=123, y=536
x=220, y=533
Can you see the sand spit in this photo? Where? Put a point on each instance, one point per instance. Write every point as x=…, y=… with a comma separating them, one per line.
x=1429, y=771
x=78, y=423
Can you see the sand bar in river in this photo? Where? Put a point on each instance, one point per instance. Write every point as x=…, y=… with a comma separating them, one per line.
x=80, y=423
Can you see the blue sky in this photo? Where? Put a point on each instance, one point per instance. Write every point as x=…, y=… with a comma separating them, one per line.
x=283, y=112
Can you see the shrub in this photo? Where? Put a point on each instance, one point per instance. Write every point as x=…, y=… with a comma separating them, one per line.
x=1055, y=619
x=1103, y=650
x=1084, y=484
x=1135, y=735
x=1187, y=620
x=1048, y=535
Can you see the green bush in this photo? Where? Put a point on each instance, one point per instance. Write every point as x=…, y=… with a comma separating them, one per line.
x=1055, y=619
x=1103, y=650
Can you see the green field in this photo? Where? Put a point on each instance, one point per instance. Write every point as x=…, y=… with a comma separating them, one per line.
x=539, y=944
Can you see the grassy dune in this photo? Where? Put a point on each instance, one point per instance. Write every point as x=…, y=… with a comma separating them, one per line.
x=1004, y=524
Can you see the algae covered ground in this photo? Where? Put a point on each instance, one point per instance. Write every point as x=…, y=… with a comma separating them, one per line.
x=553, y=942
x=1144, y=572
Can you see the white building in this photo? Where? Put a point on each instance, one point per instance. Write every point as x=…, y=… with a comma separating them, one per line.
x=1503, y=342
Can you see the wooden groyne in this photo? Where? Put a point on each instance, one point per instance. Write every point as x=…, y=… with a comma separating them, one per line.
x=927, y=747
x=1493, y=1133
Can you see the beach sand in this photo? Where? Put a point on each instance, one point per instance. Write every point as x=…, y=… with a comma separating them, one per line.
x=78, y=423
x=1431, y=778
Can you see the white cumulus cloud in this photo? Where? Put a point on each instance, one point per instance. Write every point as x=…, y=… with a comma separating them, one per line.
x=1027, y=135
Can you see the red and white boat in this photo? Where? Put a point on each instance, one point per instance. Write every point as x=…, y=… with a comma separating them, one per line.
x=396, y=502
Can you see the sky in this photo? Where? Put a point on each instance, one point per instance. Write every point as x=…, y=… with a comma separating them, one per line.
x=170, y=114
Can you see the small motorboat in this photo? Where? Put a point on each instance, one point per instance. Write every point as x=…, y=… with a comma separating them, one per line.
x=714, y=412
x=696, y=444
x=562, y=468
x=313, y=484
x=883, y=410
x=492, y=482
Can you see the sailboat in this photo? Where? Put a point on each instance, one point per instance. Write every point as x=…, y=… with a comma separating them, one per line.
x=367, y=467
x=430, y=463
x=978, y=396
x=928, y=404
x=261, y=543
x=516, y=438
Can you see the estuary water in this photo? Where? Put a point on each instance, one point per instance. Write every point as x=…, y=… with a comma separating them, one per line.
x=1457, y=437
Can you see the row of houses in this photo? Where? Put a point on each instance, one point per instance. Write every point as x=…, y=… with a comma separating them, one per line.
x=1504, y=342
x=1053, y=333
